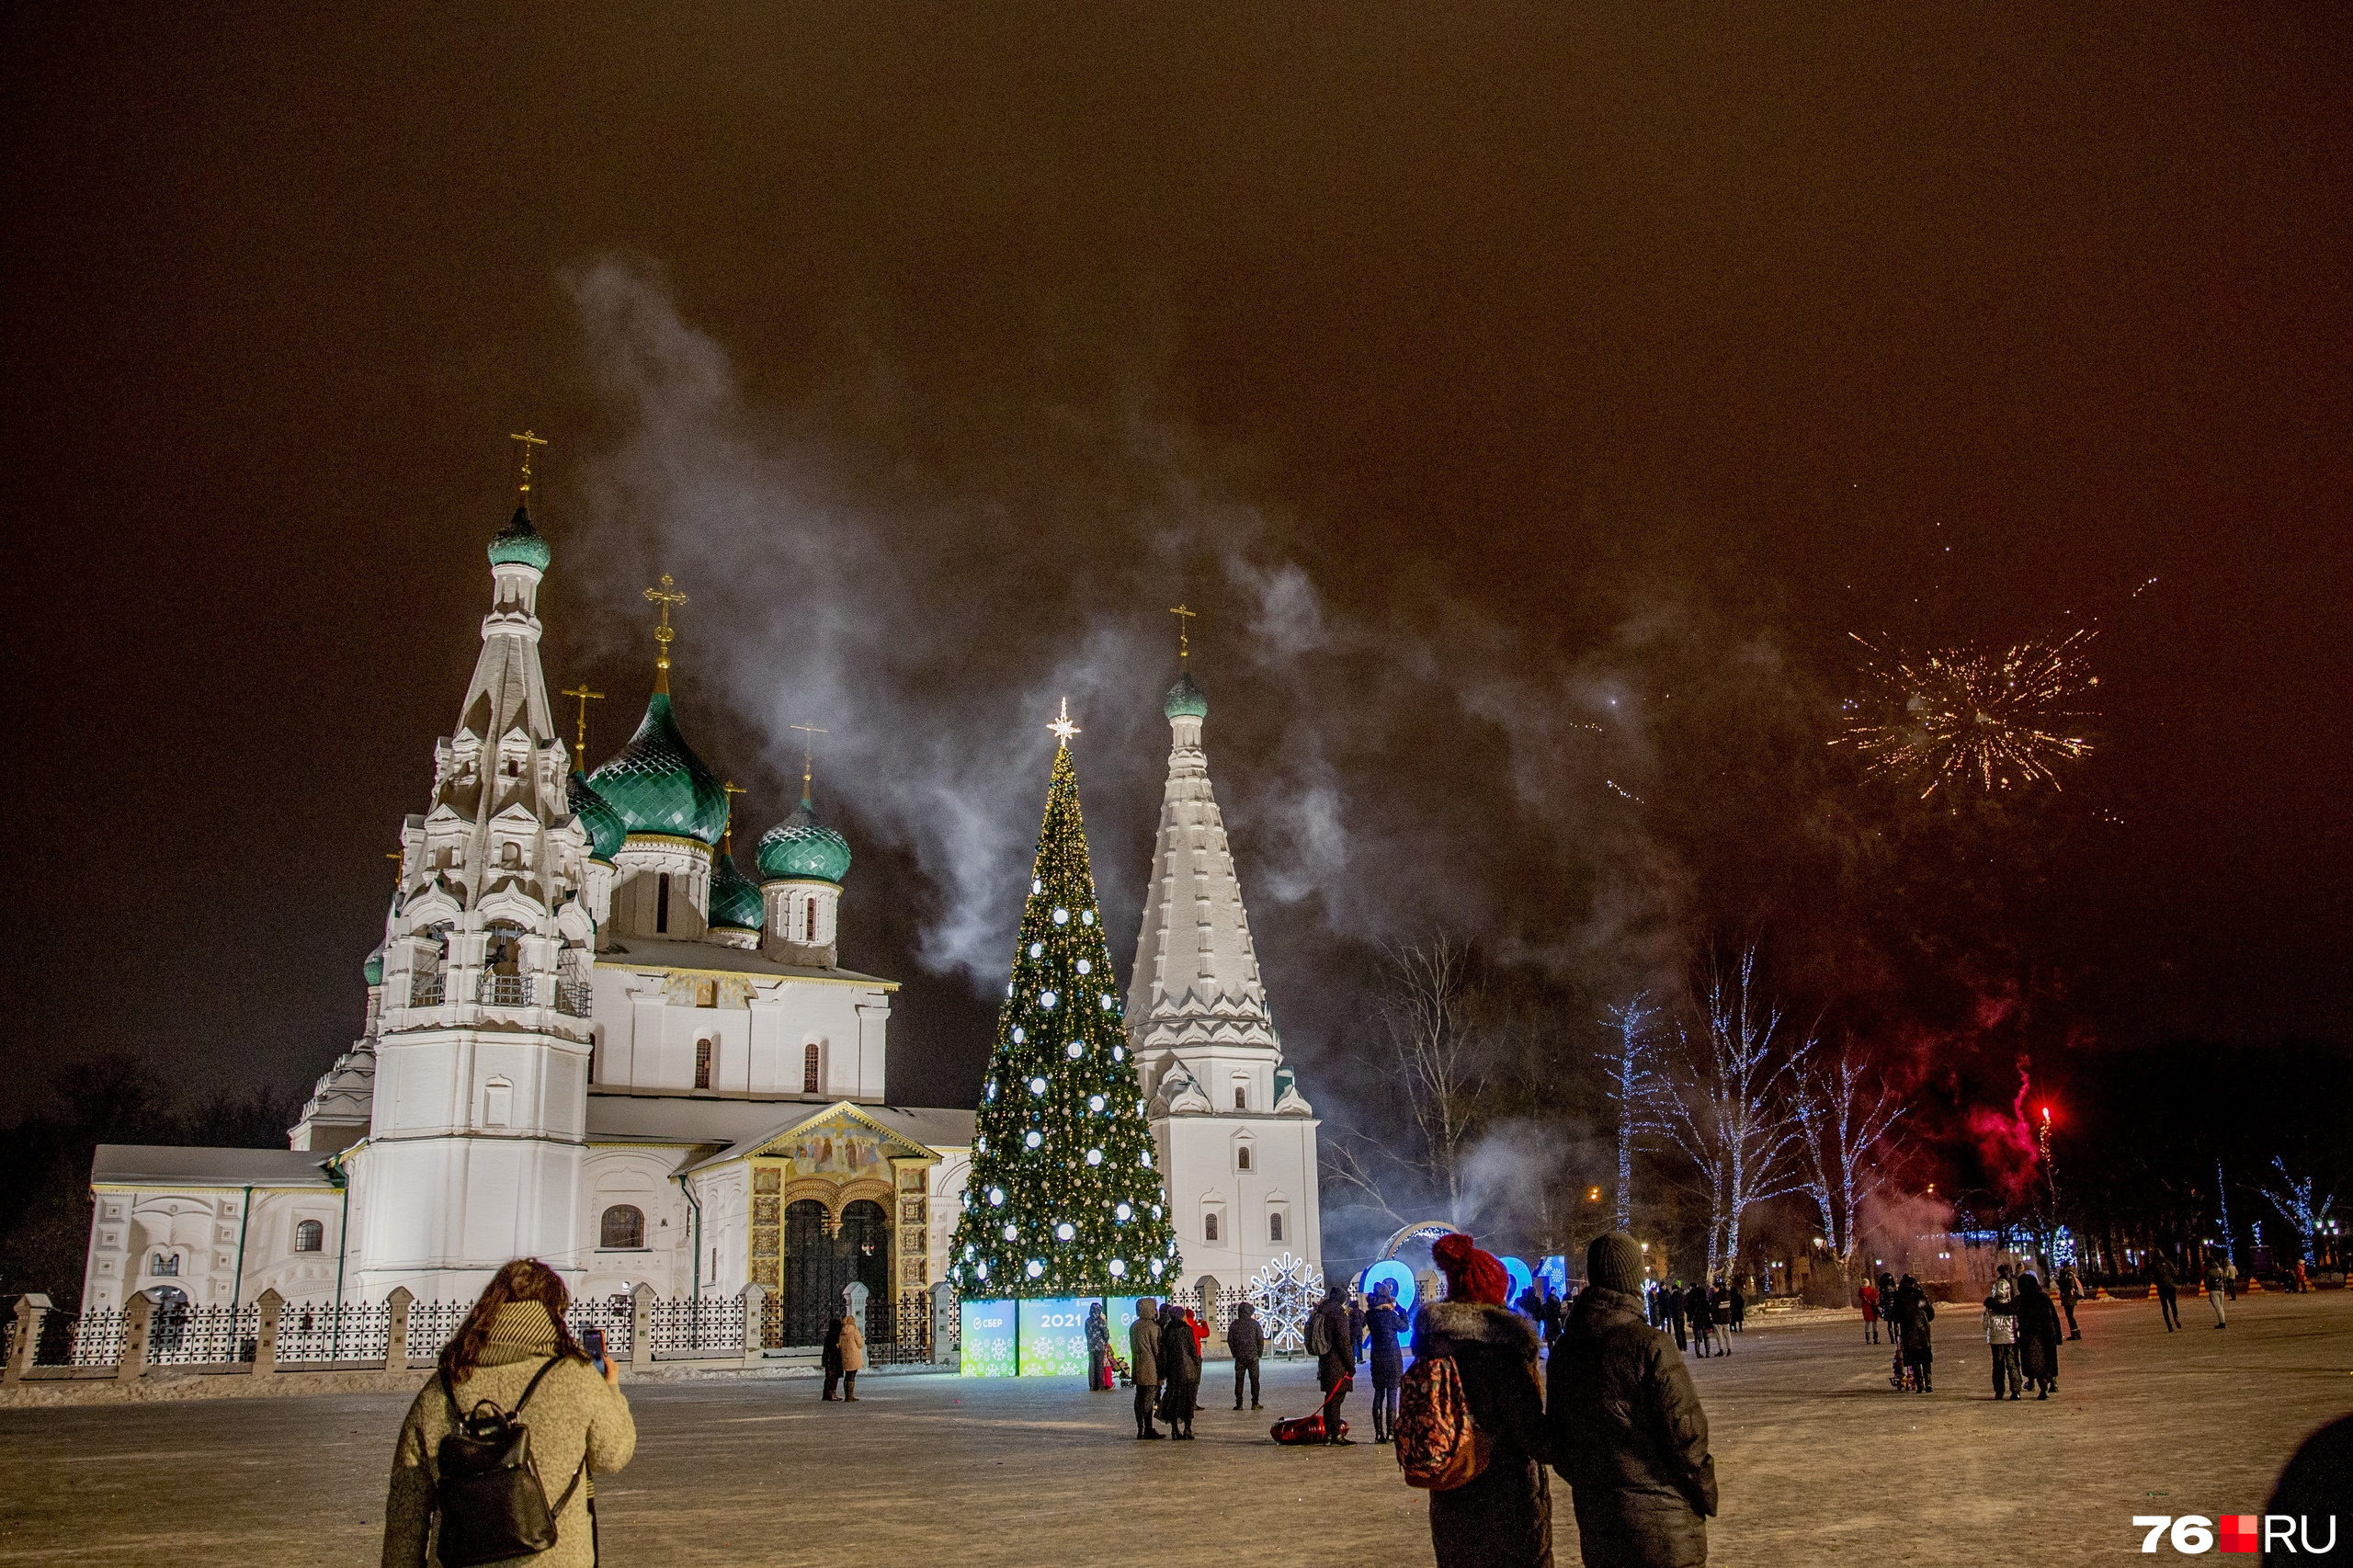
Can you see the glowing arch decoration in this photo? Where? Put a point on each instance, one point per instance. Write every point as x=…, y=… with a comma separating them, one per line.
x=1420, y=1231
x=1522, y=1278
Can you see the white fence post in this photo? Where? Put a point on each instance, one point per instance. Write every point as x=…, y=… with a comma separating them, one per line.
x=641, y=1326
x=755, y=1297
x=32, y=1311
x=396, y=1332
x=138, y=1317
x=945, y=1327
x=265, y=1336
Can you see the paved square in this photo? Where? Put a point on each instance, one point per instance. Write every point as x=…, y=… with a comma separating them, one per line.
x=1821, y=1462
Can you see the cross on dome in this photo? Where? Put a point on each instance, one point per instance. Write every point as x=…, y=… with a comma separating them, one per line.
x=664, y=635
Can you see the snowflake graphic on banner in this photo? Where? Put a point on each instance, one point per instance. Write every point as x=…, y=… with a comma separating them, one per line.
x=1284, y=1292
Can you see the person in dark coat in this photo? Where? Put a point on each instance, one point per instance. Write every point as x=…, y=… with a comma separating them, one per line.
x=1336, y=1363
x=2161, y=1276
x=1144, y=1365
x=833, y=1357
x=1502, y=1517
x=1246, y=1339
x=1739, y=1309
x=1917, y=1313
x=1181, y=1373
x=2038, y=1336
x=1677, y=1303
x=1356, y=1329
x=1627, y=1433
x=1385, y=1326
x=1702, y=1315
x=1098, y=1349
x=2071, y=1291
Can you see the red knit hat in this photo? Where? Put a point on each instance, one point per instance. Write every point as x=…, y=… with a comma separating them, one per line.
x=1471, y=1275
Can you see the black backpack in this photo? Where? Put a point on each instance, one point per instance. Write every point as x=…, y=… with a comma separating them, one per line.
x=488, y=1493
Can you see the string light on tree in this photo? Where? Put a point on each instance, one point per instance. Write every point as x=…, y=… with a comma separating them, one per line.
x=1073, y=1203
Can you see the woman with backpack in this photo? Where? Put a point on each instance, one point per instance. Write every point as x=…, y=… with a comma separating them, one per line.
x=1500, y=1515
x=512, y=1375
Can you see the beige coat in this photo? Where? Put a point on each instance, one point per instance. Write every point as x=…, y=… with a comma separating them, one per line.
x=573, y=1413
x=852, y=1346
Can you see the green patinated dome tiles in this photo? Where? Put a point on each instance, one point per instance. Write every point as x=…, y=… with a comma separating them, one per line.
x=801, y=849
x=603, y=824
x=1185, y=699
x=519, y=543
x=658, y=785
x=734, y=897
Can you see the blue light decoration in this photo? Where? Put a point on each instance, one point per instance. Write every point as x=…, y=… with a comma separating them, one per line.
x=2063, y=1247
x=991, y=1340
x=1554, y=1271
x=1522, y=1275
x=1396, y=1274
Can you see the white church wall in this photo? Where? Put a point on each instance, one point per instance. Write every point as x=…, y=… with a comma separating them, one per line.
x=201, y=1229
x=639, y=1178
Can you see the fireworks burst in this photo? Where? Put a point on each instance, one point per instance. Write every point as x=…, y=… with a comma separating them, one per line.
x=1966, y=715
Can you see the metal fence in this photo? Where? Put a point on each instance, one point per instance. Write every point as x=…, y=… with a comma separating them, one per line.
x=202, y=1336
x=711, y=1325
x=94, y=1339
x=613, y=1315
x=356, y=1331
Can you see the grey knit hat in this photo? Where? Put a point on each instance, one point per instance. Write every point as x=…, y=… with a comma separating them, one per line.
x=1614, y=1261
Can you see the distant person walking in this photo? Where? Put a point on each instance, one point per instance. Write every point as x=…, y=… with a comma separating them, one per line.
x=1627, y=1431
x=1739, y=1308
x=1329, y=1339
x=1144, y=1365
x=1098, y=1349
x=1916, y=1315
x=2071, y=1291
x=513, y=1352
x=2001, y=1334
x=1869, y=1295
x=2161, y=1276
x=2218, y=1289
x=1385, y=1328
x=1246, y=1338
x=1677, y=1307
x=1703, y=1319
x=1180, y=1371
x=1501, y=1517
x=2038, y=1333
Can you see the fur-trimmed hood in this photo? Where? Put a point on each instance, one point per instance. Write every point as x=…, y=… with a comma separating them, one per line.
x=1472, y=1323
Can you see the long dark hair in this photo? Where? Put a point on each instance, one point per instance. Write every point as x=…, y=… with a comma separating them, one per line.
x=525, y=1279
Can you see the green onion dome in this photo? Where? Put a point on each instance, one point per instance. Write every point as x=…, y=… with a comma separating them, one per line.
x=603, y=824
x=1185, y=699
x=801, y=849
x=519, y=543
x=734, y=897
x=374, y=968
x=659, y=785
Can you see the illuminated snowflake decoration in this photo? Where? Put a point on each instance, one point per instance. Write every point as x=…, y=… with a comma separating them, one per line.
x=1284, y=1292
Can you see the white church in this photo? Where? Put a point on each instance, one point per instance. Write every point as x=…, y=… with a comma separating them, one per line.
x=592, y=1038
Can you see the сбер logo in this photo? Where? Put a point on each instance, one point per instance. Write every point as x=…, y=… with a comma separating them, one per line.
x=2191, y=1534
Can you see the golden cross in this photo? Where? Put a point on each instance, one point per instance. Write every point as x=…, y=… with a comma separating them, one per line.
x=1062, y=727
x=528, y=441
x=807, y=730
x=727, y=834
x=587, y=696
x=398, y=859
x=1184, y=649
x=664, y=636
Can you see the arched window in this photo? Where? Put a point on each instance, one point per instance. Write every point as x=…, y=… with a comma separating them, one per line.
x=1209, y=1227
x=812, y=936
x=809, y=1069
x=1241, y=1156
x=310, y=1235
x=1275, y=1226
x=166, y=1264
x=662, y=903
x=703, y=1062
x=1241, y=1095
x=624, y=1226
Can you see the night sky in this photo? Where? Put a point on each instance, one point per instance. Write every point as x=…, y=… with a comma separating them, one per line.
x=1532, y=400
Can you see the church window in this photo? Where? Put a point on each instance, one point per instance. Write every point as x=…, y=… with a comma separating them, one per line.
x=1275, y=1226
x=1209, y=1227
x=1241, y=1095
x=703, y=1062
x=812, y=936
x=510, y=855
x=310, y=1235
x=167, y=1264
x=809, y=1069
x=1241, y=1156
x=662, y=903
x=623, y=1226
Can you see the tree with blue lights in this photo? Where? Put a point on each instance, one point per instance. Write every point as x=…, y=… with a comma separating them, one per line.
x=1066, y=1195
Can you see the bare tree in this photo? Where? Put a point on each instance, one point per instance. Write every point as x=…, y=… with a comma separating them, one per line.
x=1729, y=1110
x=1636, y=1088
x=1842, y=1129
x=1435, y=1058
x=2293, y=1198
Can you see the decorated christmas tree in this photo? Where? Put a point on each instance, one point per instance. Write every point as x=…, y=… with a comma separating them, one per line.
x=1066, y=1195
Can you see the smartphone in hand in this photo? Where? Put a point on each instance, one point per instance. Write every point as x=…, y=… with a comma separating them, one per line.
x=592, y=1340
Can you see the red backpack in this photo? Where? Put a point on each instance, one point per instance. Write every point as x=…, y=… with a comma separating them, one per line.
x=1439, y=1446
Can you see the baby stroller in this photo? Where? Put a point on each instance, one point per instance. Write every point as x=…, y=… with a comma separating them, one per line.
x=1317, y=1429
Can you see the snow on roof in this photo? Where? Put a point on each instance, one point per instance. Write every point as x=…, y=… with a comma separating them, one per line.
x=171, y=1164
x=661, y=953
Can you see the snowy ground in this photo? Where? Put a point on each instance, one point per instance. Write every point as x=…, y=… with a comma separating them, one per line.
x=1820, y=1461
